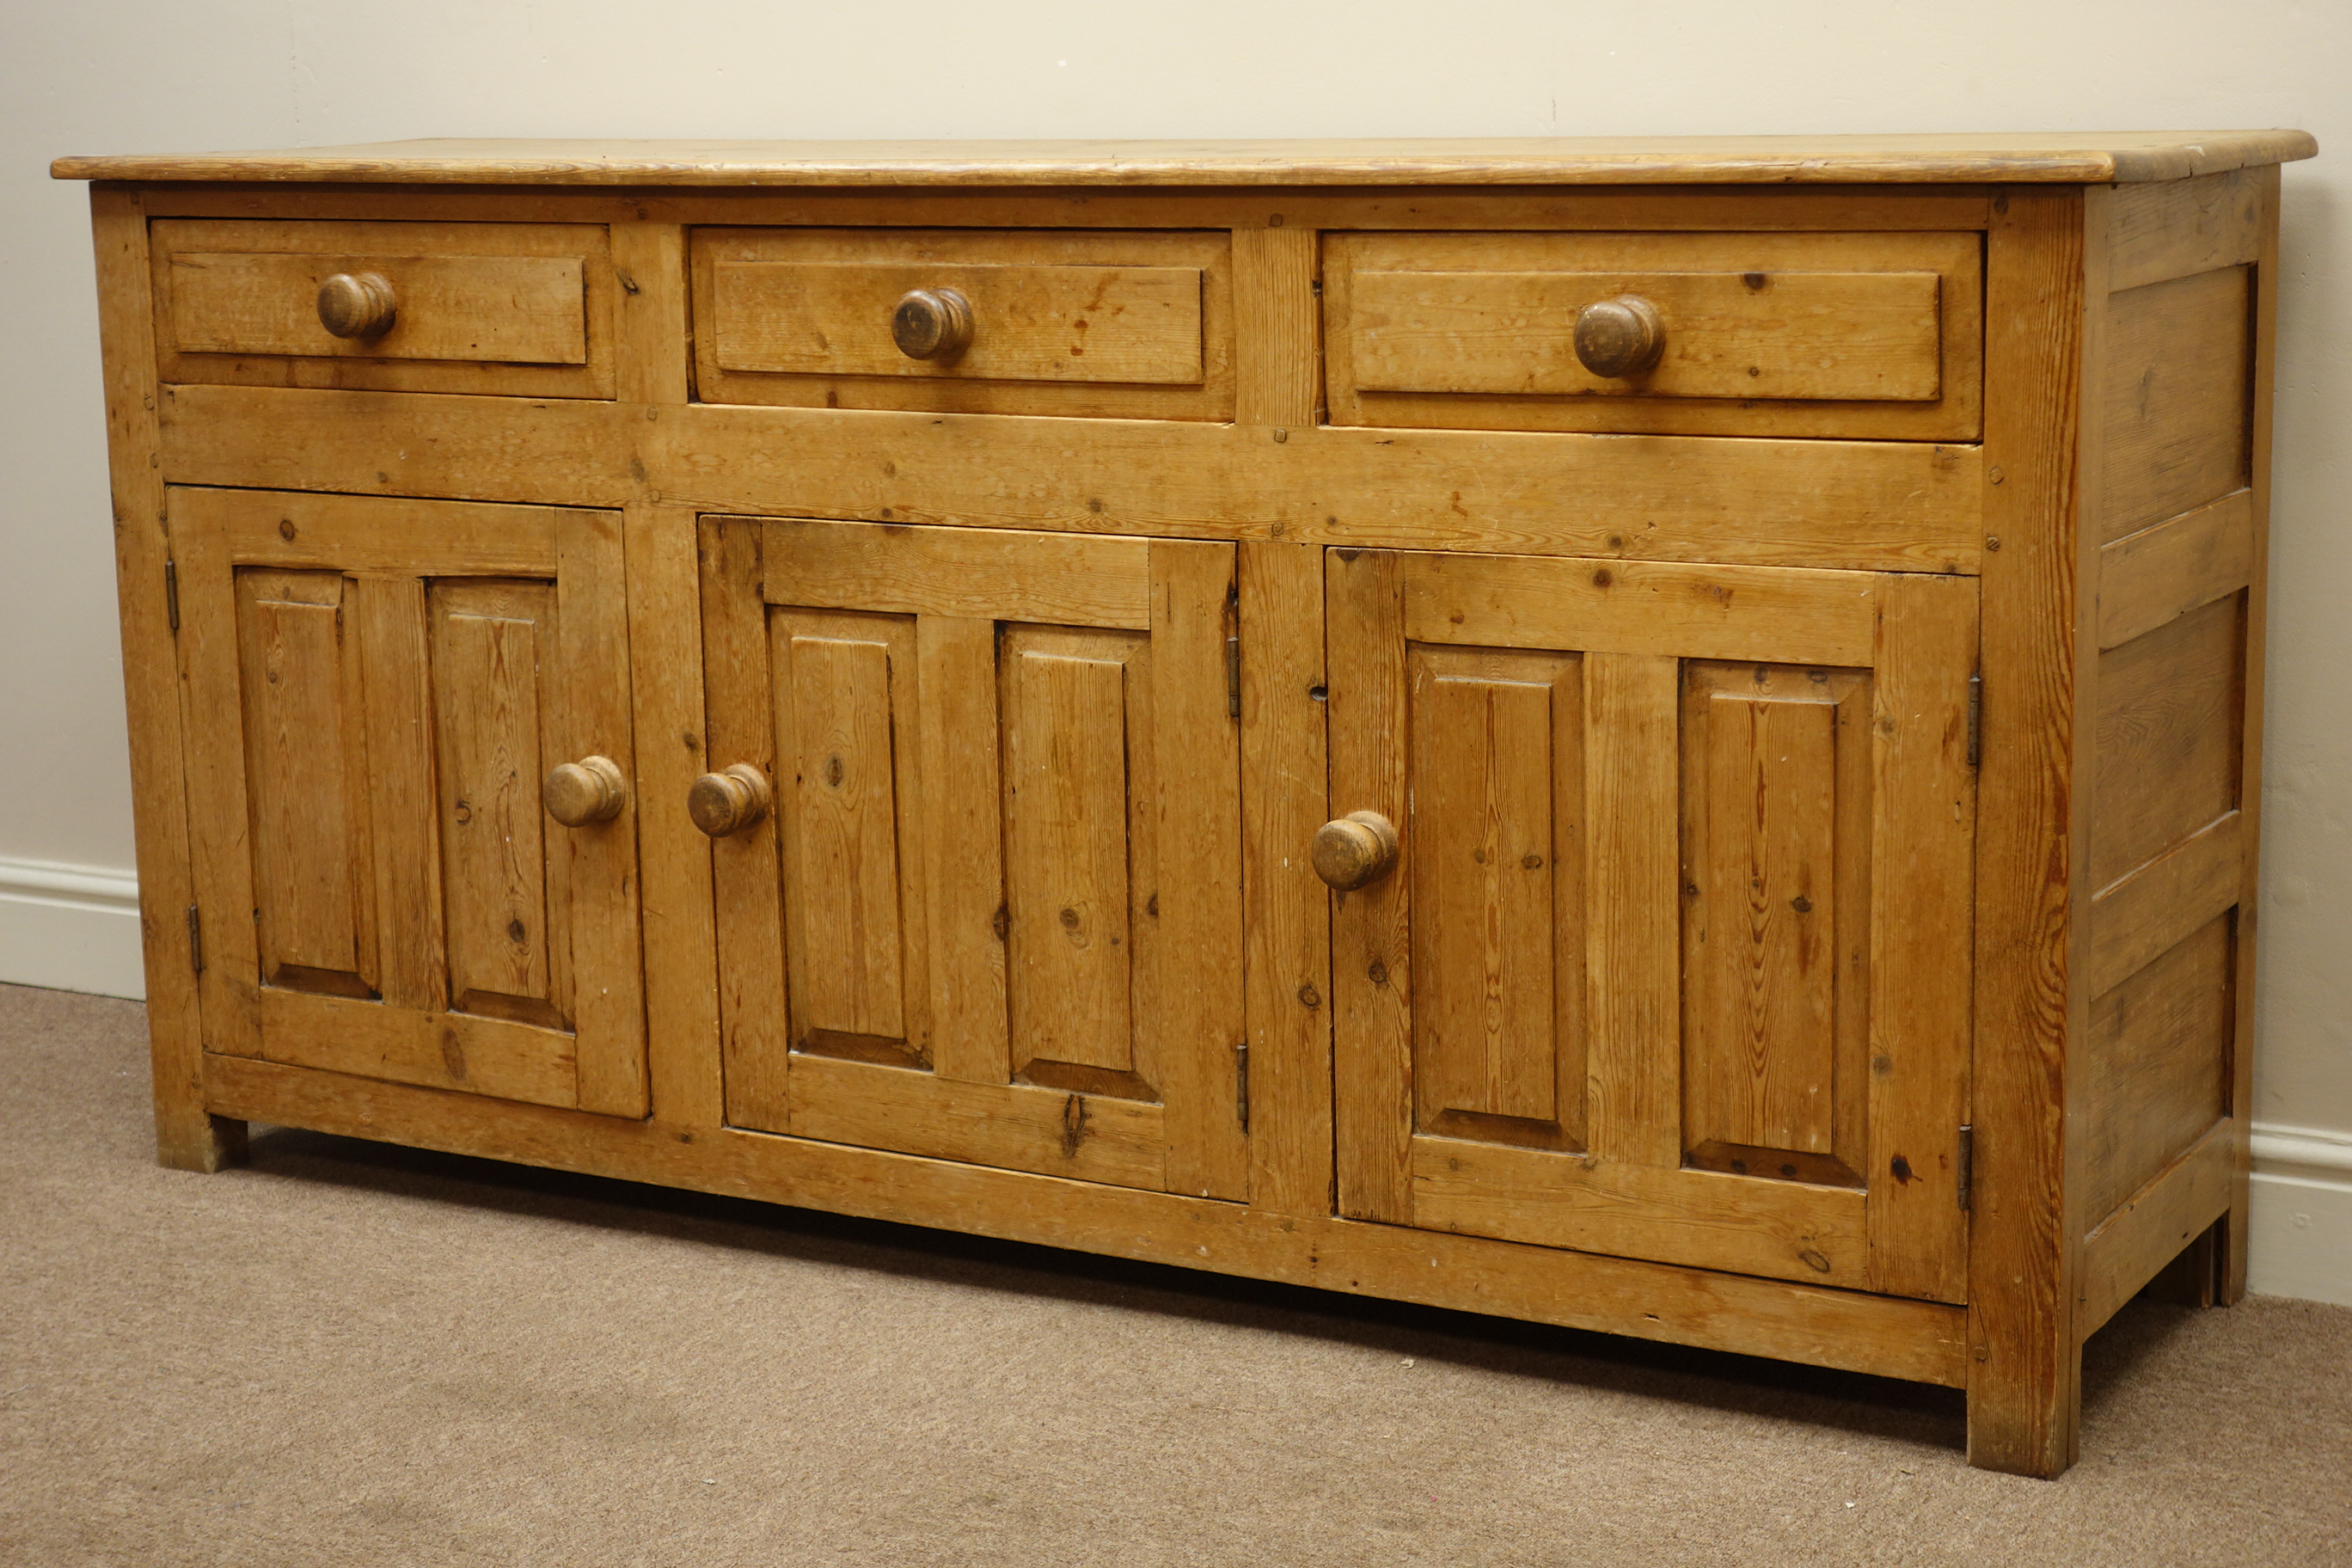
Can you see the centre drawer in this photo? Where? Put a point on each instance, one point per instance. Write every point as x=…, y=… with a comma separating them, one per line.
x=1868, y=335
x=1123, y=325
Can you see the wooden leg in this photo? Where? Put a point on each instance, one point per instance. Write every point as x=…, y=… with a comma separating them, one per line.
x=189, y=1137
x=2025, y=1409
x=2194, y=1278
x=2228, y=1245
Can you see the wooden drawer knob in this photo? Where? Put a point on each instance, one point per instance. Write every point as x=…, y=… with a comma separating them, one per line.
x=932, y=323
x=1360, y=848
x=589, y=790
x=357, y=305
x=1617, y=337
x=729, y=802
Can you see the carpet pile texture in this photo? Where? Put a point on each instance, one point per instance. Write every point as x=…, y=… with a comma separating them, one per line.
x=351, y=1355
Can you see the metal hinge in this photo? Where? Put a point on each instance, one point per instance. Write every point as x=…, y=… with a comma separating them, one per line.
x=1967, y=1161
x=1976, y=718
x=172, y=593
x=1241, y=1083
x=196, y=939
x=1233, y=652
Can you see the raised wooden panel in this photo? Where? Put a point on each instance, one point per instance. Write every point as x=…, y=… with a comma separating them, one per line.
x=514, y=309
x=1776, y=804
x=847, y=797
x=1812, y=334
x=494, y=656
x=2174, y=398
x=1032, y=323
x=507, y=310
x=314, y=911
x=2155, y=1066
x=2166, y=753
x=1099, y=322
x=1496, y=766
x=1078, y=864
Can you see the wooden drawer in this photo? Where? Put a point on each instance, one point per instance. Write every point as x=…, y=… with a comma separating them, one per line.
x=521, y=309
x=1111, y=324
x=1877, y=335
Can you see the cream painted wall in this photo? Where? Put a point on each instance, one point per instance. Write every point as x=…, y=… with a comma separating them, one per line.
x=142, y=76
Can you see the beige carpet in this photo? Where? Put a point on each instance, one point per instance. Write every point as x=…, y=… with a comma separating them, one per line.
x=354, y=1355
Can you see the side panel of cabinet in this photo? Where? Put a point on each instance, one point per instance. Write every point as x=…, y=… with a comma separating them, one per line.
x=1673, y=963
x=995, y=913
x=375, y=690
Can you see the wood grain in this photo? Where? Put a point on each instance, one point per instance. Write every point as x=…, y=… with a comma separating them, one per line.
x=1277, y=328
x=1063, y=580
x=2141, y=914
x=2168, y=722
x=2174, y=396
x=2065, y=158
x=2149, y=1230
x=187, y=1136
x=2024, y=1369
x=1291, y=991
x=1065, y=322
x=1765, y=335
x=2158, y=232
x=507, y=309
x=2152, y=578
x=2155, y=1064
x=1637, y=607
x=1884, y=505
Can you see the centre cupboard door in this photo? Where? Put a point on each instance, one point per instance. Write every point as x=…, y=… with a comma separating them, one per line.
x=1674, y=959
x=978, y=868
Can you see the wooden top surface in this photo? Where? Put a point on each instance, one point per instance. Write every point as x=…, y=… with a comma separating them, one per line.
x=2064, y=158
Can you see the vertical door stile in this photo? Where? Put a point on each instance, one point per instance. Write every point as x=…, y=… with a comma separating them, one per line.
x=963, y=847
x=591, y=713
x=229, y=988
x=745, y=872
x=1923, y=854
x=1197, y=904
x=1632, y=792
x=1370, y=927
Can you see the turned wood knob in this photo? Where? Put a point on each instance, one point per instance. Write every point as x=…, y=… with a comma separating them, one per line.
x=932, y=323
x=589, y=790
x=729, y=802
x=357, y=305
x=1617, y=337
x=1360, y=848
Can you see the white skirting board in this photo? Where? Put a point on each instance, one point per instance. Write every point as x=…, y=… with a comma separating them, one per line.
x=70, y=927
x=76, y=928
x=2301, y=1221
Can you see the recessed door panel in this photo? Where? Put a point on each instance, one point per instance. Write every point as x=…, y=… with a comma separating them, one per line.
x=1496, y=761
x=400, y=905
x=962, y=933
x=1674, y=960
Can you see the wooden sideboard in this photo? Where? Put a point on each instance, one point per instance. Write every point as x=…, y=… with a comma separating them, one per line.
x=840, y=673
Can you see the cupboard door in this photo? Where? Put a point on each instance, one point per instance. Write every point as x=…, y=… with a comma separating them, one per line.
x=993, y=910
x=1674, y=961
x=376, y=691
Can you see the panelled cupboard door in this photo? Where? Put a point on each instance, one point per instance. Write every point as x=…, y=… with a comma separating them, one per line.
x=1674, y=960
x=991, y=910
x=375, y=691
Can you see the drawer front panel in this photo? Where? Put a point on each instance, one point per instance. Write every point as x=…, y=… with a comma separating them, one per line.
x=518, y=309
x=506, y=310
x=1807, y=334
x=1132, y=325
